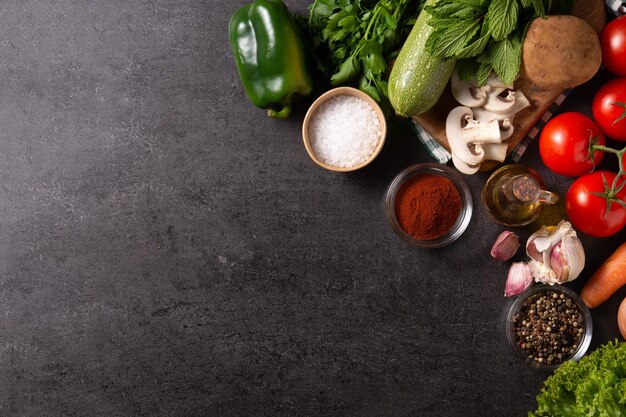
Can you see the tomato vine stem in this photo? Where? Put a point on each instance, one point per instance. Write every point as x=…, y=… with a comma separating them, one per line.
x=611, y=193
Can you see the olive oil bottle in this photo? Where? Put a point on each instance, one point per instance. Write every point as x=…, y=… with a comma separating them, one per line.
x=514, y=194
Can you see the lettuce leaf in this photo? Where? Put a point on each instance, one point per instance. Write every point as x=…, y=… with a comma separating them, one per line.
x=594, y=387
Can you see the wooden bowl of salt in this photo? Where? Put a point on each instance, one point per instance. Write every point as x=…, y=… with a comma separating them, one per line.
x=344, y=130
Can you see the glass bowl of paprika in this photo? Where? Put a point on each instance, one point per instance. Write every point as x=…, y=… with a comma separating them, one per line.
x=429, y=205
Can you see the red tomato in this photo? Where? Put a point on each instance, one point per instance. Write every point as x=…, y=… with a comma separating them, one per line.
x=587, y=210
x=613, y=42
x=564, y=144
x=609, y=104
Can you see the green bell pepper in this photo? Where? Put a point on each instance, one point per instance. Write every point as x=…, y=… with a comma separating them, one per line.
x=270, y=56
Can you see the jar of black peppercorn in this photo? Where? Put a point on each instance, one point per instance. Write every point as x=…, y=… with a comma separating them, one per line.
x=548, y=325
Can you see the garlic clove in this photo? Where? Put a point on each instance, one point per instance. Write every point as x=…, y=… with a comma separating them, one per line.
x=539, y=242
x=558, y=264
x=573, y=255
x=520, y=277
x=532, y=251
x=506, y=246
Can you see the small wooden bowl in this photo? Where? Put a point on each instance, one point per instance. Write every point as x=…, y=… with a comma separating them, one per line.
x=325, y=97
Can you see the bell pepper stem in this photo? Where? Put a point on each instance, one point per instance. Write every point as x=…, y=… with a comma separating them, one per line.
x=282, y=113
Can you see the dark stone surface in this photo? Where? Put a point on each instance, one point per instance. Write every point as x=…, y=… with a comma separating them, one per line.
x=168, y=250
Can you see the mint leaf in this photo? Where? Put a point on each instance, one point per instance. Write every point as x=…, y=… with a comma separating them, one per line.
x=469, y=13
x=444, y=9
x=442, y=21
x=478, y=46
x=446, y=42
x=455, y=10
x=476, y=3
x=506, y=57
x=503, y=17
x=484, y=70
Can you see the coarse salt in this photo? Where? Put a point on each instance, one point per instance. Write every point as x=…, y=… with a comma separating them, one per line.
x=344, y=131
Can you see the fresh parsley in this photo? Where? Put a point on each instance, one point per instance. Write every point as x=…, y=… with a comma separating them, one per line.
x=485, y=35
x=353, y=40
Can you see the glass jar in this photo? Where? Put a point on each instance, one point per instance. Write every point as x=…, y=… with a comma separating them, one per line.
x=462, y=220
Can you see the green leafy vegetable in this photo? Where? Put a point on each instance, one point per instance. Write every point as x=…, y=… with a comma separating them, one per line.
x=485, y=35
x=594, y=386
x=353, y=40
x=505, y=57
x=503, y=16
x=453, y=40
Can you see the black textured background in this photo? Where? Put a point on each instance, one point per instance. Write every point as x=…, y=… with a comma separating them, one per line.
x=168, y=250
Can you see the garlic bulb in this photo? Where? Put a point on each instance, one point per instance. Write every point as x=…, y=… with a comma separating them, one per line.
x=556, y=253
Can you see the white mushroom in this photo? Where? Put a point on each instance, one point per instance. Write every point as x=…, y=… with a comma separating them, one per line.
x=463, y=167
x=467, y=136
x=506, y=129
x=479, y=133
x=467, y=93
x=521, y=102
x=497, y=103
x=483, y=115
x=495, y=151
x=513, y=102
x=506, y=122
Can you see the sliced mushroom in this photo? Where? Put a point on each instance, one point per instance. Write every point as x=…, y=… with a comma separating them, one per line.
x=492, y=151
x=466, y=136
x=497, y=103
x=521, y=102
x=505, y=122
x=467, y=93
x=507, y=105
x=506, y=129
x=495, y=151
x=483, y=115
x=463, y=167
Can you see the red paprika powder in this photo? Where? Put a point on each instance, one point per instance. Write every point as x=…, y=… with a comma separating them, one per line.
x=427, y=206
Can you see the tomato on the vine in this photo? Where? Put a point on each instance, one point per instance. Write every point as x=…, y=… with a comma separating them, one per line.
x=586, y=205
x=613, y=43
x=609, y=108
x=565, y=144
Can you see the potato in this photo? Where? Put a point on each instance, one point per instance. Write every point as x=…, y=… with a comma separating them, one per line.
x=621, y=318
x=560, y=52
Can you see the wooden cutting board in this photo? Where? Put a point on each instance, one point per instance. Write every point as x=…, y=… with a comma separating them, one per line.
x=434, y=121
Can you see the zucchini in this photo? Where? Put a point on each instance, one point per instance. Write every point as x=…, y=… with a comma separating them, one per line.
x=417, y=78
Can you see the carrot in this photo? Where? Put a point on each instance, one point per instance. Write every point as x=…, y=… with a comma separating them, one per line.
x=606, y=280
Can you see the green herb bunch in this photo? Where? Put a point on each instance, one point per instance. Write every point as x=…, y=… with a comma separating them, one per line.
x=485, y=35
x=353, y=40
